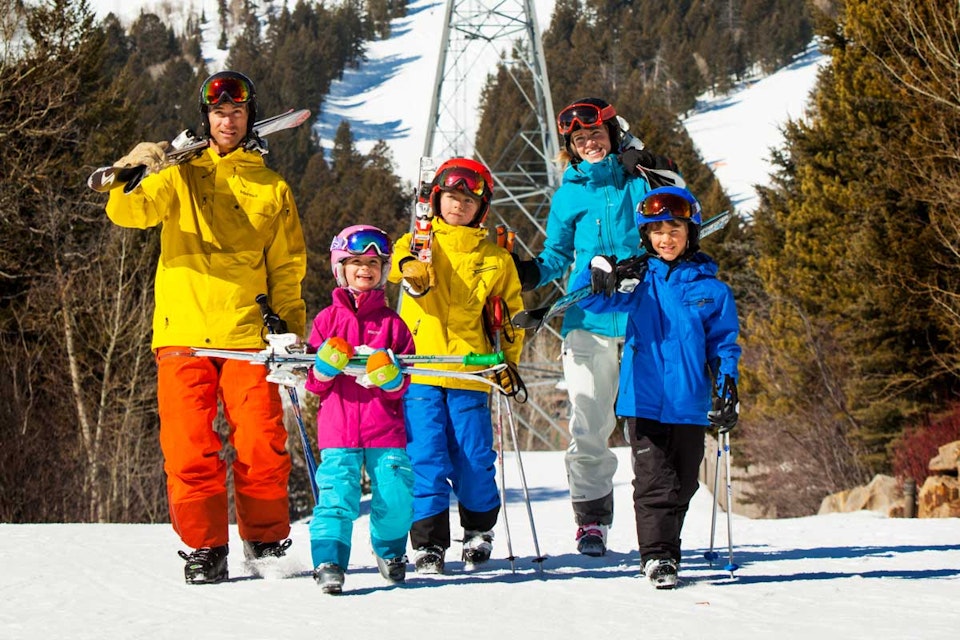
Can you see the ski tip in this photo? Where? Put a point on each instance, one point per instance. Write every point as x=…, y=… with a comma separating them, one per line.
x=528, y=320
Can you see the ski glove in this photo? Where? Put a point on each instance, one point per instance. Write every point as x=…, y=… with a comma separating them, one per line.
x=511, y=384
x=630, y=273
x=383, y=370
x=529, y=272
x=420, y=276
x=150, y=154
x=603, y=275
x=726, y=406
x=635, y=160
x=332, y=358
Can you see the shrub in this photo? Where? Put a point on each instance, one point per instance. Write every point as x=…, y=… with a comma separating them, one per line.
x=919, y=444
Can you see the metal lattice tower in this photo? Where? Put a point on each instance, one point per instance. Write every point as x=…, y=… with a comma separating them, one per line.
x=481, y=38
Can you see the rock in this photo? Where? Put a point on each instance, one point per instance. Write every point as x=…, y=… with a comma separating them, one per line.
x=883, y=494
x=939, y=497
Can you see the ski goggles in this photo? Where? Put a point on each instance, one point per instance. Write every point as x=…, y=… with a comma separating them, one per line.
x=359, y=243
x=587, y=116
x=233, y=88
x=668, y=204
x=463, y=179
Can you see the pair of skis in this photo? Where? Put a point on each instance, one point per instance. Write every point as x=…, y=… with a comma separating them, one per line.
x=184, y=148
x=535, y=319
x=285, y=367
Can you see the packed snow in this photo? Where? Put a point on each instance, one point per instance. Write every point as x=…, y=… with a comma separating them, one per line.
x=858, y=575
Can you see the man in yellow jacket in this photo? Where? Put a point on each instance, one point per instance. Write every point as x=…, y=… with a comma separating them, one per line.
x=230, y=230
x=449, y=431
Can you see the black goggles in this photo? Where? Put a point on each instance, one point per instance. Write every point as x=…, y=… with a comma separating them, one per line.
x=231, y=88
x=462, y=179
x=588, y=116
x=667, y=204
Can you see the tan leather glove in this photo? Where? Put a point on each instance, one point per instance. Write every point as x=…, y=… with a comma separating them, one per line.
x=420, y=276
x=150, y=154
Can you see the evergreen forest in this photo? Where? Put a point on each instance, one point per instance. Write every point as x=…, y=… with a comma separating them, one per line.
x=844, y=275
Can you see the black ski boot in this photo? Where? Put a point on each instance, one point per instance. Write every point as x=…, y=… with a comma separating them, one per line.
x=477, y=547
x=330, y=578
x=662, y=572
x=393, y=570
x=262, y=558
x=206, y=565
x=592, y=539
x=429, y=559
x=256, y=550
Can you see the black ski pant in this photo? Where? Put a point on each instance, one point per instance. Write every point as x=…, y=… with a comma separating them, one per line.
x=666, y=464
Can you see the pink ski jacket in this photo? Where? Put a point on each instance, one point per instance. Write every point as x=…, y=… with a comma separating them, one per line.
x=351, y=415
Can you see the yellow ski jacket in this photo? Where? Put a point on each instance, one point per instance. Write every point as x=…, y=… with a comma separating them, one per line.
x=230, y=230
x=448, y=320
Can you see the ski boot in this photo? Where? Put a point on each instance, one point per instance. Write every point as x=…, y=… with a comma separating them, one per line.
x=477, y=547
x=262, y=558
x=330, y=578
x=206, y=565
x=662, y=572
x=429, y=559
x=393, y=570
x=592, y=539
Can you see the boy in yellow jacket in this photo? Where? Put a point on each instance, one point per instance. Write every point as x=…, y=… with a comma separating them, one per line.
x=229, y=231
x=449, y=433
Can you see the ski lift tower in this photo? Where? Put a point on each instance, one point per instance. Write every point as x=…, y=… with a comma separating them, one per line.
x=480, y=39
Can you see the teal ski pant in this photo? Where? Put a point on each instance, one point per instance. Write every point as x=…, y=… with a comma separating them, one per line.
x=338, y=503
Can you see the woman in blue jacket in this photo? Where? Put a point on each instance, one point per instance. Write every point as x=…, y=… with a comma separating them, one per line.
x=680, y=366
x=592, y=213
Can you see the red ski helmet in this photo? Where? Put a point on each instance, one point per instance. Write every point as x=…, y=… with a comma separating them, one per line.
x=466, y=176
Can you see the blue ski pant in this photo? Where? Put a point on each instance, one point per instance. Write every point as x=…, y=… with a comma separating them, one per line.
x=338, y=503
x=450, y=443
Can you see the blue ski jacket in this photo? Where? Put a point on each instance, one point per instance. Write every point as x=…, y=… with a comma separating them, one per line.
x=682, y=324
x=592, y=213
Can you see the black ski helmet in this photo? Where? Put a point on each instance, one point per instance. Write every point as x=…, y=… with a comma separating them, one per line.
x=609, y=119
x=233, y=87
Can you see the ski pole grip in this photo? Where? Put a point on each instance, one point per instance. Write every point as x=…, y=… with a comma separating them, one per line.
x=271, y=320
x=484, y=359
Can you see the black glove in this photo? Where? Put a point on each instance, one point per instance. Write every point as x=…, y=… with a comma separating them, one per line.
x=634, y=267
x=529, y=272
x=631, y=158
x=726, y=407
x=603, y=275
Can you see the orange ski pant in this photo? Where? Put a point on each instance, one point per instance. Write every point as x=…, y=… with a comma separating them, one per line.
x=188, y=388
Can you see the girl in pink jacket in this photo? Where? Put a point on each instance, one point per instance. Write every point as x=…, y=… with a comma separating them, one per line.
x=360, y=420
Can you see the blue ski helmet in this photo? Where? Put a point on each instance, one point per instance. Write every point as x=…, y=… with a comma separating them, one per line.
x=670, y=203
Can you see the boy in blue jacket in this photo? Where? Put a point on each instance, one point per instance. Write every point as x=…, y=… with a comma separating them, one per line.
x=679, y=370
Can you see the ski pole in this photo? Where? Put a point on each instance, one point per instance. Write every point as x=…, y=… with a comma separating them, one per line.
x=276, y=325
x=495, y=321
x=731, y=566
x=712, y=555
x=523, y=483
x=496, y=318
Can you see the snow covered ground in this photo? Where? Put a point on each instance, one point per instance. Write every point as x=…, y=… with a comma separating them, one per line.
x=848, y=576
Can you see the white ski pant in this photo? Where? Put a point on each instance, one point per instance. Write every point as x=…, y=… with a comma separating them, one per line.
x=591, y=368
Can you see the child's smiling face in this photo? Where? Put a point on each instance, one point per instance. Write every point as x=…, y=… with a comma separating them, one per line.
x=363, y=272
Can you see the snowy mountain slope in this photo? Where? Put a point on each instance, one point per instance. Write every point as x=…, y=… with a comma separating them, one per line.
x=856, y=575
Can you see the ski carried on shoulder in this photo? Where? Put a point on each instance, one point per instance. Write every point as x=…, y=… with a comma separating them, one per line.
x=184, y=148
x=535, y=319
